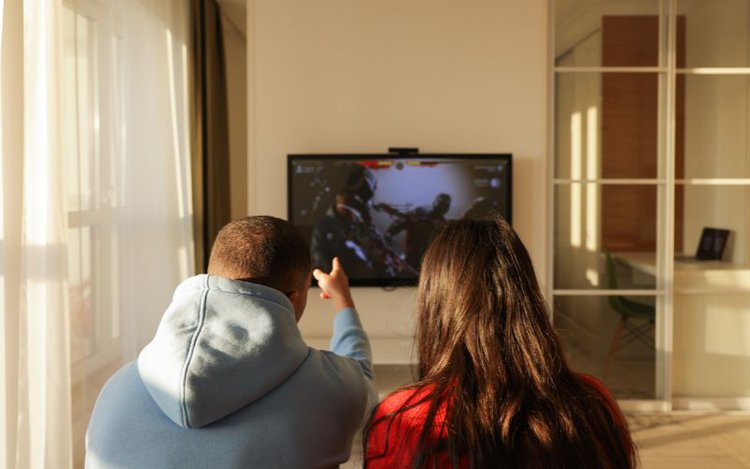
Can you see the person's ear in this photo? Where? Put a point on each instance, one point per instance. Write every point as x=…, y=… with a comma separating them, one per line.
x=293, y=295
x=298, y=302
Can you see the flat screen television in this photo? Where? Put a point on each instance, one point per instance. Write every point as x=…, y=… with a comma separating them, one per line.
x=378, y=212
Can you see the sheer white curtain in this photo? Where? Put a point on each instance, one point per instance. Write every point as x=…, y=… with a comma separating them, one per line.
x=95, y=219
x=159, y=218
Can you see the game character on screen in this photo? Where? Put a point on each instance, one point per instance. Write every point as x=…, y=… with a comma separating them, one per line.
x=343, y=232
x=420, y=224
x=361, y=186
x=346, y=231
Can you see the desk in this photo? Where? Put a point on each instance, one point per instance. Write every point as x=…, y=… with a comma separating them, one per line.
x=694, y=277
x=711, y=326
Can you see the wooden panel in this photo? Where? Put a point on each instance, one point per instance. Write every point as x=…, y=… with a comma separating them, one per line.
x=629, y=218
x=629, y=133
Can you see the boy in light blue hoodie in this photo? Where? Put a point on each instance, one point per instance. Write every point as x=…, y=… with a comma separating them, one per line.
x=227, y=381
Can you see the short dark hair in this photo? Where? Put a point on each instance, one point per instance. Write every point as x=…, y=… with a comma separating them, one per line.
x=261, y=249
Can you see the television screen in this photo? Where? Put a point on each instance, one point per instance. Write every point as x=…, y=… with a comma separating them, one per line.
x=378, y=213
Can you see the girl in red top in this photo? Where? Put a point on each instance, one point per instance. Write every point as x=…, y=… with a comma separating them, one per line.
x=493, y=388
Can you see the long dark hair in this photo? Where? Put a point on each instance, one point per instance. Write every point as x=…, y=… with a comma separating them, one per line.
x=490, y=357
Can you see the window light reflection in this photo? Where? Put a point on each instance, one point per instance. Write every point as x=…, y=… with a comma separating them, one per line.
x=186, y=142
x=592, y=275
x=179, y=146
x=576, y=159
x=592, y=172
x=175, y=131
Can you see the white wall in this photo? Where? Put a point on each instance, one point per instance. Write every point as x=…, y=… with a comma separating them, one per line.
x=235, y=52
x=342, y=76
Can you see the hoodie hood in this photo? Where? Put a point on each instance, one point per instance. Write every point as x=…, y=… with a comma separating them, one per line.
x=221, y=345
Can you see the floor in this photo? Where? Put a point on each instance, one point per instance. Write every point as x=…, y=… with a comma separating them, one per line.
x=665, y=441
x=692, y=441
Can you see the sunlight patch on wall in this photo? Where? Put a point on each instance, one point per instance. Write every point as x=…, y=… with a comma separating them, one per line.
x=180, y=146
x=186, y=135
x=175, y=131
x=576, y=190
x=592, y=275
x=592, y=172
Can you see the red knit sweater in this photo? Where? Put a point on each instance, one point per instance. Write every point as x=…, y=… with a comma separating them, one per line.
x=392, y=442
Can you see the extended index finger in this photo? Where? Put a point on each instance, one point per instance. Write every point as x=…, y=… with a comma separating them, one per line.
x=318, y=274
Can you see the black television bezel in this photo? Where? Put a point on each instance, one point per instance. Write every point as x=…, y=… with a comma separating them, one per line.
x=397, y=282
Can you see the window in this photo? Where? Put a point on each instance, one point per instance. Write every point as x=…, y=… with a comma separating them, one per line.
x=93, y=158
x=93, y=155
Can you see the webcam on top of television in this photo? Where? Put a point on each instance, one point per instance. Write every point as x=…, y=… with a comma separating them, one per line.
x=403, y=150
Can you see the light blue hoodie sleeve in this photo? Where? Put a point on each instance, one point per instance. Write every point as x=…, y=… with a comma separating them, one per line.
x=350, y=340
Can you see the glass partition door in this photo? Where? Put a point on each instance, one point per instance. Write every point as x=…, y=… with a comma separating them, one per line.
x=650, y=129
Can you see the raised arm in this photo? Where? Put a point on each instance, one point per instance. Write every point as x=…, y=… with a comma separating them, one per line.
x=349, y=337
x=335, y=286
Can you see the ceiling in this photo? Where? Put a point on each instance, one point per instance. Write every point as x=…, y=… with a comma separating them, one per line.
x=235, y=12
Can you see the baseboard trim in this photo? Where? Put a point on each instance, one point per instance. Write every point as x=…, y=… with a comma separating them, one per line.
x=720, y=404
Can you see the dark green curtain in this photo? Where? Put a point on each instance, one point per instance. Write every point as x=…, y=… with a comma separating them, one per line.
x=210, y=129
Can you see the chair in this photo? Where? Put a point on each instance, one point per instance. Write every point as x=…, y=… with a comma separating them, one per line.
x=636, y=319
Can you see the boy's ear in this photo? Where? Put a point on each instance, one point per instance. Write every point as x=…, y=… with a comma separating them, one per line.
x=292, y=295
x=298, y=302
